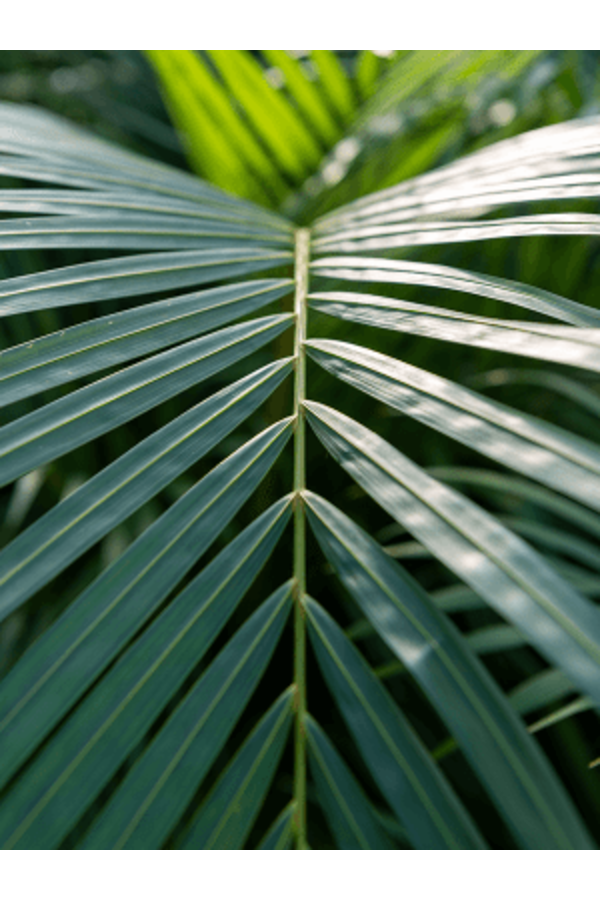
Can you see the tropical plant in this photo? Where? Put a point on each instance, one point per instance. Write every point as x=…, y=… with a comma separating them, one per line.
x=185, y=595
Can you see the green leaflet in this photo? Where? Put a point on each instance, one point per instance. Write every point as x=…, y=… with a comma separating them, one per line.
x=495, y=639
x=509, y=486
x=582, y=704
x=335, y=82
x=357, y=269
x=88, y=749
x=43, y=147
x=63, y=534
x=368, y=65
x=84, y=174
x=129, y=232
x=539, y=690
x=273, y=118
x=567, y=345
x=482, y=641
x=389, y=237
x=348, y=811
x=507, y=761
x=132, y=276
x=170, y=770
x=561, y=460
x=550, y=163
x=409, y=73
x=555, y=539
x=586, y=397
x=218, y=142
x=279, y=836
x=66, y=355
x=76, y=419
x=306, y=94
x=418, y=793
x=467, y=196
x=86, y=638
x=500, y=567
x=228, y=813
x=459, y=597
x=75, y=202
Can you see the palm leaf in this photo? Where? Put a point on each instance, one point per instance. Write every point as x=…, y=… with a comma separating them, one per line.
x=280, y=835
x=503, y=569
x=348, y=812
x=561, y=461
x=154, y=708
x=421, y=798
x=449, y=674
x=67, y=355
x=135, y=691
x=228, y=813
x=167, y=774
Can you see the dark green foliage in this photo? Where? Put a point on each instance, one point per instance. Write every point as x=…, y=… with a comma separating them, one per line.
x=299, y=463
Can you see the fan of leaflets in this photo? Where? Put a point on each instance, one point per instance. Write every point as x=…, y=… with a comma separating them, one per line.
x=92, y=698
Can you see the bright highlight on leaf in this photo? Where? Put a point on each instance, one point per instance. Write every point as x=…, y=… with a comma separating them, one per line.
x=269, y=579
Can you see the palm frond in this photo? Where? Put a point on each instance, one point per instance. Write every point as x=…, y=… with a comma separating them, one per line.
x=36, y=696
x=349, y=814
x=174, y=764
x=228, y=813
x=155, y=708
x=422, y=799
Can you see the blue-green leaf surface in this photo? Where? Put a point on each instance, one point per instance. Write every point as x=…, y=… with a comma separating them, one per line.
x=57, y=538
x=133, y=275
x=388, y=237
x=130, y=232
x=76, y=419
x=89, y=634
x=499, y=566
x=155, y=793
x=551, y=163
x=84, y=754
x=357, y=269
x=506, y=759
x=75, y=202
x=279, y=835
x=66, y=355
x=544, y=452
x=538, y=691
x=42, y=147
x=346, y=808
x=559, y=343
x=422, y=799
x=228, y=813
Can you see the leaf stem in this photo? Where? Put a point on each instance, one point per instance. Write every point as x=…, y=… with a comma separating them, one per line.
x=300, y=308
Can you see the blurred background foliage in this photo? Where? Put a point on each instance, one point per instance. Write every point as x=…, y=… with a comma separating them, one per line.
x=435, y=106
x=387, y=116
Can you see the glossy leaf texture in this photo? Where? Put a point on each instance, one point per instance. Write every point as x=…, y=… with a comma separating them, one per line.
x=423, y=801
x=191, y=739
x=228, y=813
x=270, y=579
x=423, y=640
